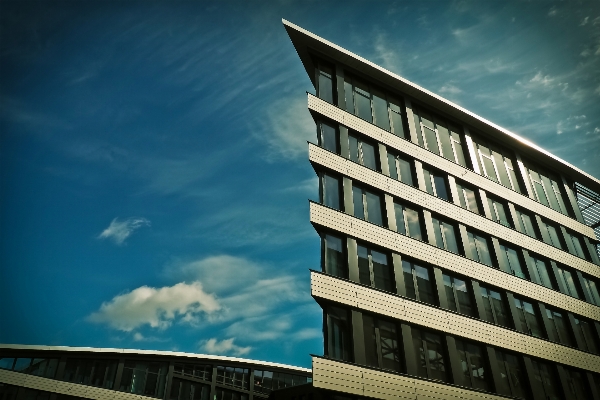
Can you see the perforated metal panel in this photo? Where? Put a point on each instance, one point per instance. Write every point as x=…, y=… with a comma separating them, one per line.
x=413, y=312
x=353, y=122
x=352, y=379
x=71, y=389
x=334, y=162
x=362, y=230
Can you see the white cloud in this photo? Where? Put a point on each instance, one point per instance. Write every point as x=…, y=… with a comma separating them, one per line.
x=553, y=11
x=450, y=89
x=225, y=346
x=157, y=308
x=572, y=123
x=138, y=337
x=119, y=231
x=540, y=79
x=584, y=21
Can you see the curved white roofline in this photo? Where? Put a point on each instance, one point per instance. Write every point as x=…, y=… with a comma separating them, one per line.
x=152, y=352
x=303, y=39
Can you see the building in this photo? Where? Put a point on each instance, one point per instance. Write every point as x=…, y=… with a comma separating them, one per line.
x=71, y=373
x=456, y=261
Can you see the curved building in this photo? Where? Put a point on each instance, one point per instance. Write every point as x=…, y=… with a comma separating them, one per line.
x=69, y=373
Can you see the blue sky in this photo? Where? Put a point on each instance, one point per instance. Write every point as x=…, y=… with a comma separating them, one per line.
x=153, y=160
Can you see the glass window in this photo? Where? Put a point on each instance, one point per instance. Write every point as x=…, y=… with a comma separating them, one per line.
x=144, y=378
x=497, y=165
x=374, y=269
x=330, y=191
x=546, y=190
x=233, y=376
x=568, y=282
x=526, y=224
x=480, y=249
x=339, y=339
x=438, y=137
x=529, y=321
x=499, y=213
x=496, y=310
x=511, y=259
x=396, y=117
x=7, y=363
x=577, y=387
x=200, y=371
x=362, y=101
x=401, y=169
x=381, y=343
x=467, y=198
x=473, y=364
x=458, y=295
x=182, y=389
x=334, y=261
x=325, y=83
x=435, y=184
x=513, y=381
x=430, y=352
x=592, y=289
x=418, y=282
x=328, y=137
x=408, y=221
x=100, y=373
x=380, y=110
x=558, y=324
x=223, y=394
x=545, y=375
x=587, y=333
x=362, y=152
x=553, y=238
x=445, y=235
x=367, y=205
x=540, y=270
x=577, y=248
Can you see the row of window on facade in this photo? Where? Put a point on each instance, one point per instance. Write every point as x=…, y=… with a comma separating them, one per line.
x=419, y=281
x=413, y=350
x=440, y=137
x=148, y=379
x=437, y=184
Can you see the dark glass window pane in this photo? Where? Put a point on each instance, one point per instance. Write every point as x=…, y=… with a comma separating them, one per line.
x=586, y=332
x=502, y=170
x=338, y=334
x=364, y=272
x=463, y=297
x=450, y=237
x=512, y=377
x=488, y=167
x=368, y=154
x=334, y=257
x=353, y=146
x=440, y=187
x=359, y=209
x=424, y=285
x=397, y=123
x=392, y=166
x=444, y=136
x=374, y=209
x=382, y=273
x=7, y=363
x=545, y=374
x=514, y=262
x=380, y=110
x=363, y=101
x=331, y=192
x=431, y=139
x=349, y=94
x=325, y=84
x=407, y=269
x=371, y=355
x=406, y=174
x=329, y=138
x=527, y=224
x=400, y=223
x=541, y=268
x=414, y=224
x=428, y=183
x=449, y=292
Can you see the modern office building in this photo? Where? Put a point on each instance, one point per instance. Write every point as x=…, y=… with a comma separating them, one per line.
x=456, y=260
x=71, y=373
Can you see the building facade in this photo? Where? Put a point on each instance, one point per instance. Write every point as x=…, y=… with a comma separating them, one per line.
x=456, y=262
x=71, y=373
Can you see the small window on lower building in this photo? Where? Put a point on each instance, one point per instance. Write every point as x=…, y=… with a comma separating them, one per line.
x=430, y=349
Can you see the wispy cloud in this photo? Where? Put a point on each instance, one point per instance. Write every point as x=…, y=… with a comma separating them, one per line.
x=119, y=231
x=552, y=12
x=225, y=346
x=584, y=21
x=158, y=308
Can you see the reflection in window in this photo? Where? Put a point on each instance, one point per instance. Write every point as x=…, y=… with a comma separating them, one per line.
x=267, y=381
x=445, y=235
x=328, y=137
x=577, y=387
x=529, y=321
x=436, y=184
x=499, y=213
x=540, y=271
x=418, y=282
x=526, y=224
x=592, y=289
x=99, y=373
x=408, y=221
x=339, y=339
x=44, y=367
x=495, y=307
x=497, y=165
x=512, y=375
x=334, y=262
x=145, y=378
x=546, y=190
x=367, y=205
x=381, y=343
x=401, y=169
x=467, y=199
x=510, y=257
x=458, y=295
x=325, y=82
x=330, y=191
x=576, y=249
x=233, y=376
x=545, y=375
x=587, y=333
x=553, y=238
x=430, y=352
x=374, y=269
x=473, y=364
x=480, y=248
x=567, y=278
x=362, y=152
x=438, y=137
x=557, y=322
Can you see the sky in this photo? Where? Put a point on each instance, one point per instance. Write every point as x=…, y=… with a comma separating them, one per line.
x=154, y=178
